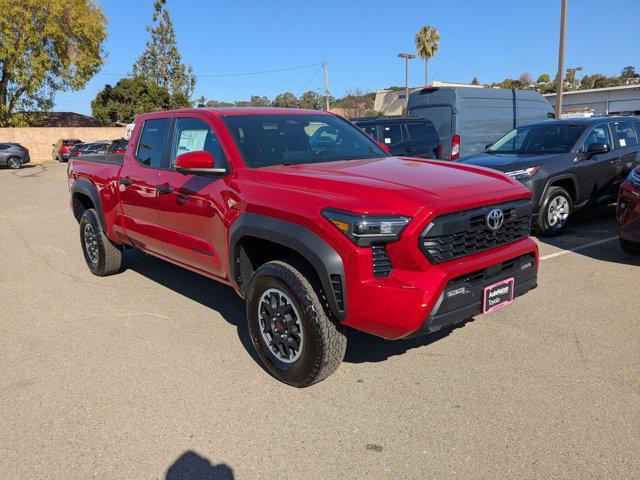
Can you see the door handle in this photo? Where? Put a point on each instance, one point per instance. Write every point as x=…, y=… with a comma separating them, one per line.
x=164, y=189
x=125, y=181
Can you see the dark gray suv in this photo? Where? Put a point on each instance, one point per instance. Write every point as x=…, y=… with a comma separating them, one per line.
x=13, y=155
x=567, y=164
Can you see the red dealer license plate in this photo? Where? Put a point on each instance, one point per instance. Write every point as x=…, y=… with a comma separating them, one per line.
x=498, y=295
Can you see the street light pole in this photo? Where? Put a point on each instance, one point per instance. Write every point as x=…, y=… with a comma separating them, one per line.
x=407, y=57
x=560, y=79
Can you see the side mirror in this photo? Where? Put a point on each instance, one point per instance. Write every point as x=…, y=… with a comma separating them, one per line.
x=197, y=162
x=384, y=147
x=597, y=149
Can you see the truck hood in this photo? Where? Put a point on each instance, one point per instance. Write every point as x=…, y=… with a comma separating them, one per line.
x=389, y=184
x=511, y=162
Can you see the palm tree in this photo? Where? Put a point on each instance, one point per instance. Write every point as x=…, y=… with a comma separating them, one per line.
x=427, y=40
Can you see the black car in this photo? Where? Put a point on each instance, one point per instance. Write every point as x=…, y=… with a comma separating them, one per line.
x=13, y=155
x=567, y=164
x=403, y=135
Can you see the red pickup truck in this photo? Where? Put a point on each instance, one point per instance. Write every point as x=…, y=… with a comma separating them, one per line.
x=313, y=223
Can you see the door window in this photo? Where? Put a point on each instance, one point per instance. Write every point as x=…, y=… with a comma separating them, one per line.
x=151, y=143
x=626, y=134
x=598, y=134
x=371, y=130
x=391, y=134
x=194, y=134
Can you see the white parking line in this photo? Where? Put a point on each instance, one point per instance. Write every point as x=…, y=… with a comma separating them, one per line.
x=581, y=247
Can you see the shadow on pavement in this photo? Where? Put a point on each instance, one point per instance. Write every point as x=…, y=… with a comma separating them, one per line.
x=191, y=466
x=207, y=292
x=592, y=225
x=364, y=348
x=361, y=347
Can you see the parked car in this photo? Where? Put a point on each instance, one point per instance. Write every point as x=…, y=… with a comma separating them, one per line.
x=403, y=135
x=567, y=164
x=314, y=236
x=117, y=147
x=13, y=155
x=628, y=213
x=467, y=118
x=62, y=148
x=90, y=148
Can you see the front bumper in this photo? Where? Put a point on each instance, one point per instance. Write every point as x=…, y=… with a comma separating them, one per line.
x=412, y=302
x=463, y=296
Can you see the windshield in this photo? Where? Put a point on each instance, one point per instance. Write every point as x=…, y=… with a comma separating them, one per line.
x=538, y=139
x=283, y=139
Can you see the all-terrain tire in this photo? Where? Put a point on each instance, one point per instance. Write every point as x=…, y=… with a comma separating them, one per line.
x=103, y=257
x=323, y=342
x=543, y=225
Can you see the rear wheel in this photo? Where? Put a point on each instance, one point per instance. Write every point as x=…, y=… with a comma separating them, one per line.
x=14, y=163
x=556, y=207
x=103, y=257
x=295, y=336
x=630, y=247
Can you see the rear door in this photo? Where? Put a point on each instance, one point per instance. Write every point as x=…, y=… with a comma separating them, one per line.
x=626, y=135
x=442, y=119
x=138, y=183
x=422, y=139
x=191, y=206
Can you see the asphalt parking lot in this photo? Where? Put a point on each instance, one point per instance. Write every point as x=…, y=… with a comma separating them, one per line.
x=150, y=373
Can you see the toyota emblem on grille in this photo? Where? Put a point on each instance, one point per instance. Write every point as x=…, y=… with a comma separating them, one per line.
x=495, y=219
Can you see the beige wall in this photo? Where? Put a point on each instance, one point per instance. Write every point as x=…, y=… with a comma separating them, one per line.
x=39, y=140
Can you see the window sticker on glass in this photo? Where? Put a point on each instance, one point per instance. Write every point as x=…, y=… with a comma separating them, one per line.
x=387, y=140
x=191, y=140
x=623, y=142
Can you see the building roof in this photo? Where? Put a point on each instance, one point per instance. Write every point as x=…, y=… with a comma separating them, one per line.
x=593, y=90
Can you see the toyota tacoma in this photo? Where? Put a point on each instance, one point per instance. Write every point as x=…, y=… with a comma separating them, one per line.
x=317, y=232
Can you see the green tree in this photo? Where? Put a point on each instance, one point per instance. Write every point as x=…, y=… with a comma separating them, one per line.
x=46, y=46
x=475, y=81
x=132, y=96
x=311, y=100
x=285, y=100
x=544, y=78
x=161, y=62
x=629, y=72
x=427, y=41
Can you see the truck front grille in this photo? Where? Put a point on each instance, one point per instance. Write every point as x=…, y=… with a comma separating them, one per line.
x=456, y=235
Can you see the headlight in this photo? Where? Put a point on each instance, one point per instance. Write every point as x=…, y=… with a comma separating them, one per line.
x=524, y=173
x=364, y=230
x=634, y=177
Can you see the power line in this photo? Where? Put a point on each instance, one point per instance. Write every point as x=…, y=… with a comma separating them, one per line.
x=237, y=74
x=312, y=77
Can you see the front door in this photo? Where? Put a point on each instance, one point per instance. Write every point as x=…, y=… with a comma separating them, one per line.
x=191, y=206
x=138, y=182
x=597, y=174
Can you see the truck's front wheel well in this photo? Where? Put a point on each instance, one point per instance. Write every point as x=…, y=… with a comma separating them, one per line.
x=251, y=252
x=81, y=202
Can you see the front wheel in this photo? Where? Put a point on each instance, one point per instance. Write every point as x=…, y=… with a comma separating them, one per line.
x=103, y=257
x=14, y=163
x=295, y=336
x=555, y=209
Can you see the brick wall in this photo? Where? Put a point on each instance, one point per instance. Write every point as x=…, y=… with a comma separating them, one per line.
x=39, y=140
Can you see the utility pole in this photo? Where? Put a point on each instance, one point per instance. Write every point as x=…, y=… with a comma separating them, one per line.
x=326, y=85
x=407, y=57
x=563, y=16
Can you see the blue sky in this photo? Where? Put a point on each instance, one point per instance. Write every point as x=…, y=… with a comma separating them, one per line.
x=491, y=39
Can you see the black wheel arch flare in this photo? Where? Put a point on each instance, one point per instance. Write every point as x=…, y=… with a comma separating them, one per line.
x=324, y=259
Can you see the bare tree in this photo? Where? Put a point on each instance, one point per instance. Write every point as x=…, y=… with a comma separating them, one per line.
x=525, y=79
x=356, y=102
